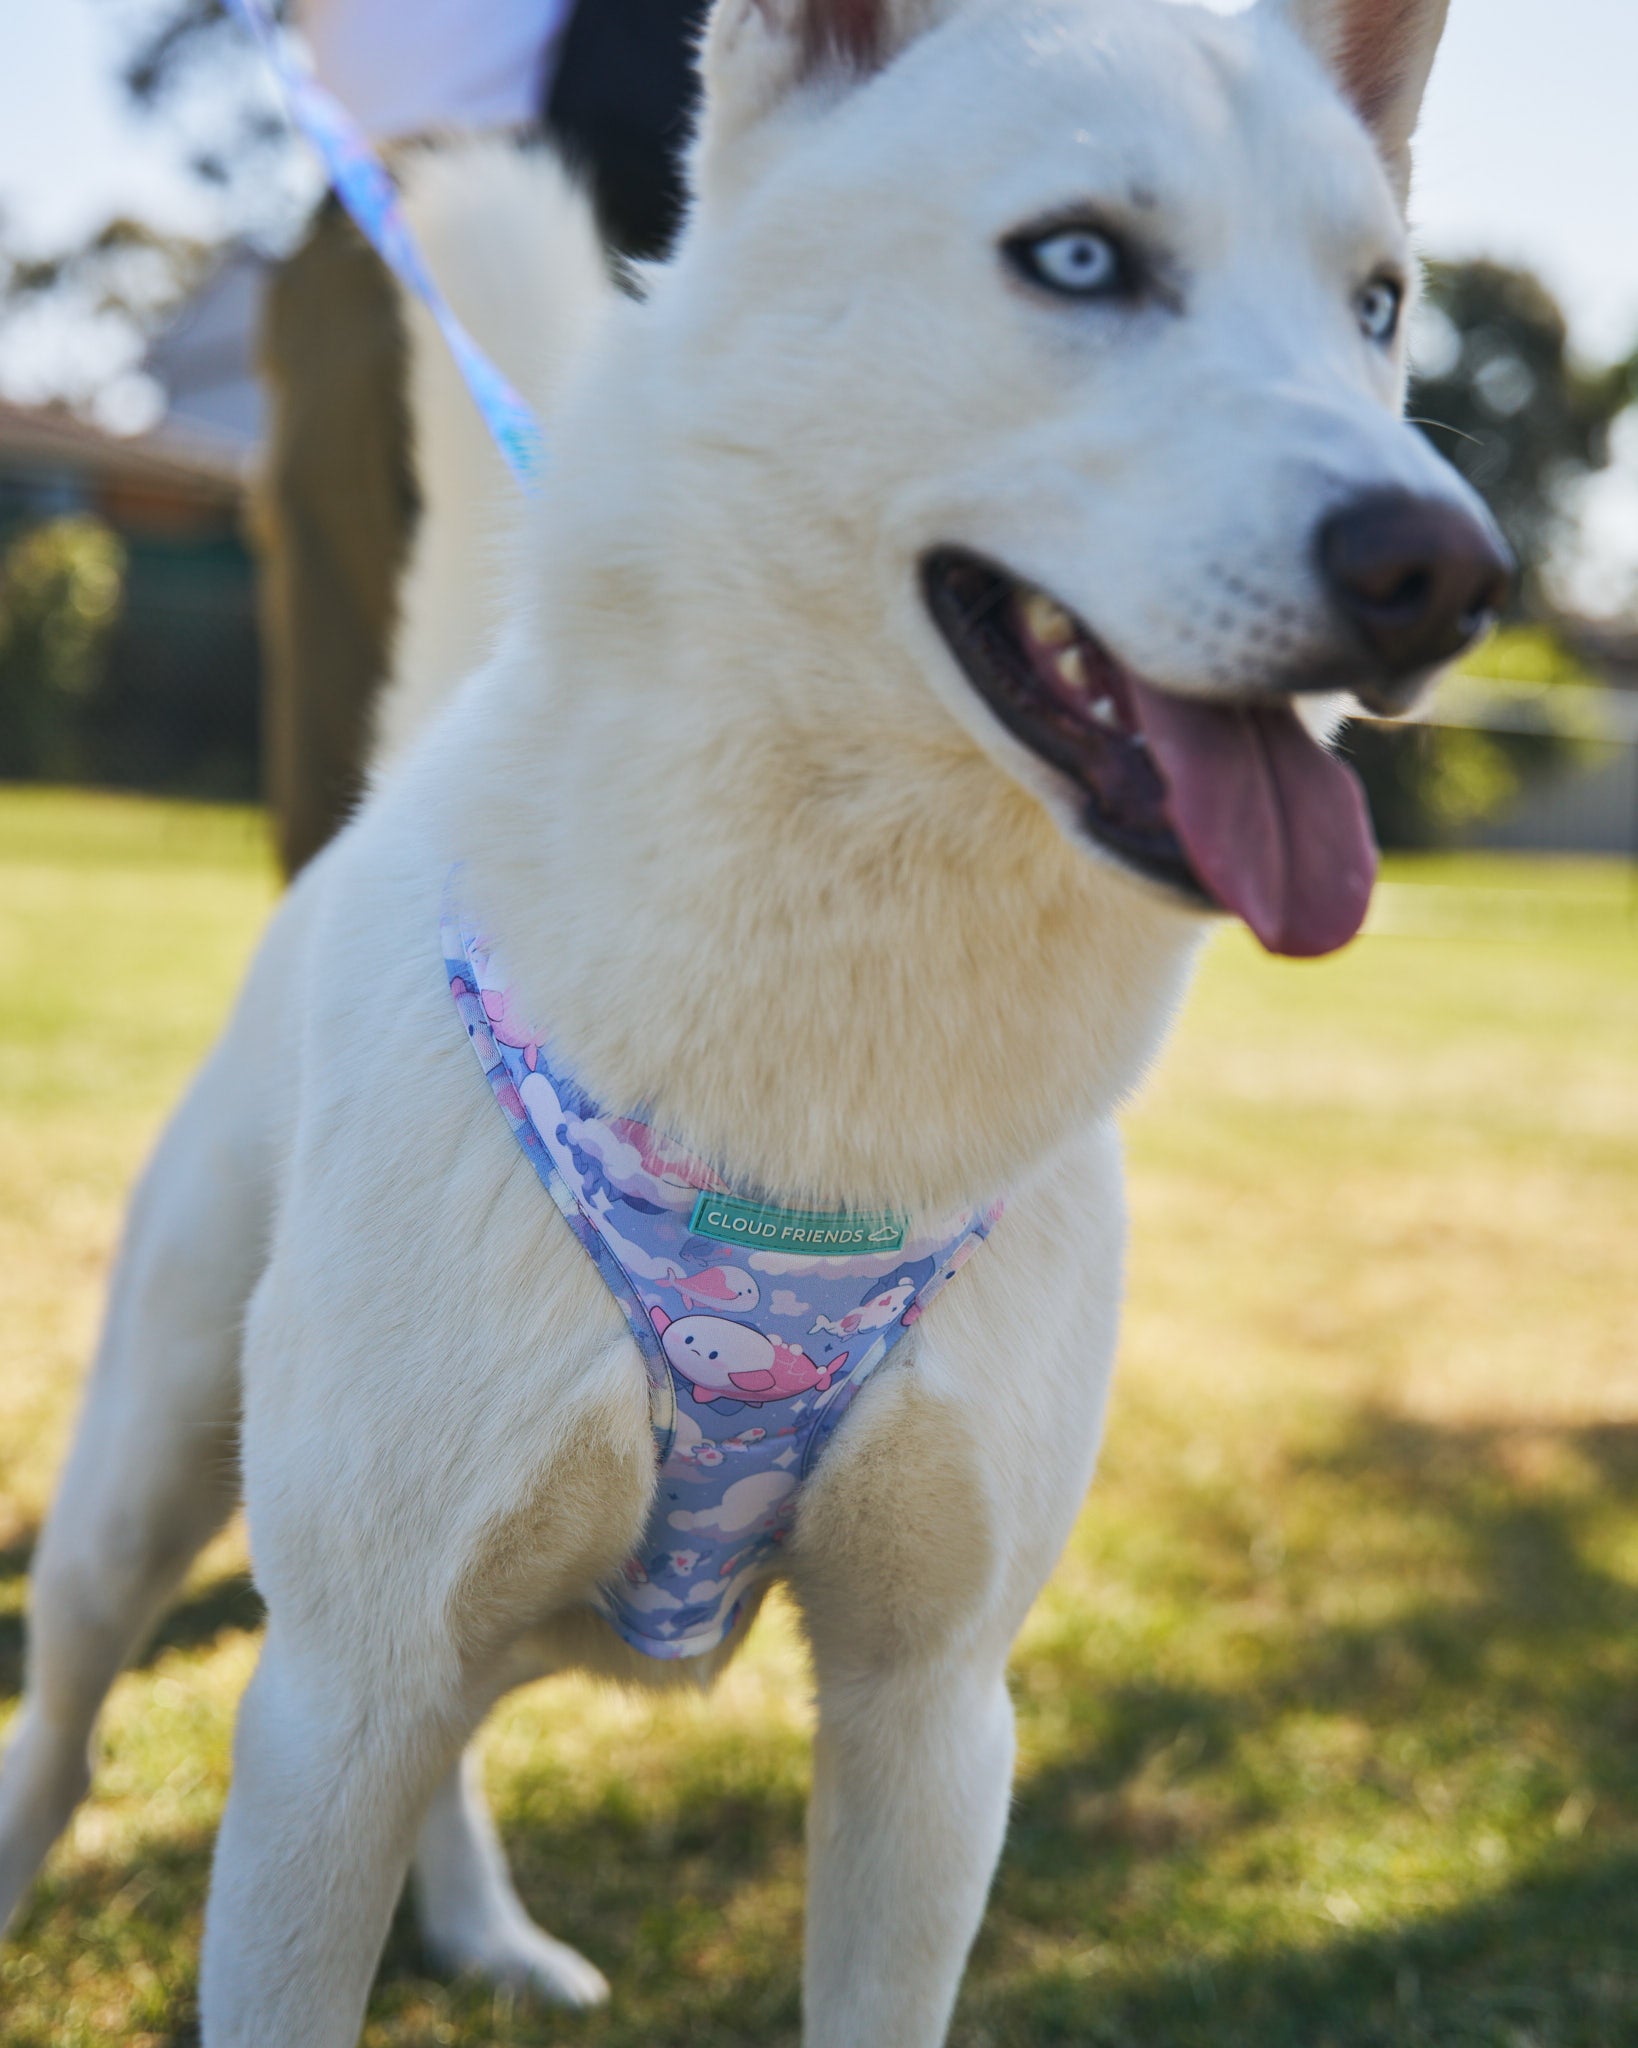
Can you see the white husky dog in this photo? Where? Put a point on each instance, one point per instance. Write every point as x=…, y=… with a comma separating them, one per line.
x=903, y=665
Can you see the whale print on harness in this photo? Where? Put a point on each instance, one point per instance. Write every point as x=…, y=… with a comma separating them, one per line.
x=731, y=1361
x=720, y=1287
x=875, y=1314
x=945, y=1273
x=508, y=1024
x=639, y=1164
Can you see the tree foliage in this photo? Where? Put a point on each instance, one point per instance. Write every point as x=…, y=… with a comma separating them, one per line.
x=1500, y=393
x=194, y=65
x=60, y=589
x=126, y=266
x=192, y=68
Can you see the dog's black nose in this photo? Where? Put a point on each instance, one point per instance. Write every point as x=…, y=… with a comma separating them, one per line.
x=1418, y=579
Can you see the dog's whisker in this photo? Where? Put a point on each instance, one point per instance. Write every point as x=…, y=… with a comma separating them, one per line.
x=1442, y=427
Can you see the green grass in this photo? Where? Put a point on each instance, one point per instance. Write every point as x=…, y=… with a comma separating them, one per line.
x=1329, y=1718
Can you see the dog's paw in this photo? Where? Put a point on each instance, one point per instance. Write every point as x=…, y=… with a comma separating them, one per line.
x=524, y=1958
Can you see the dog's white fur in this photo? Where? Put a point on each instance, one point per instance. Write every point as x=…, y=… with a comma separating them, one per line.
x=516, y=254
x=764, y=863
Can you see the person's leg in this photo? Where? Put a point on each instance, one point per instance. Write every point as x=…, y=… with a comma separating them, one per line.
x=334, y=517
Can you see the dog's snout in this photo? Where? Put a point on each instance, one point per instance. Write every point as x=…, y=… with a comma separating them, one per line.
x=1417, y=579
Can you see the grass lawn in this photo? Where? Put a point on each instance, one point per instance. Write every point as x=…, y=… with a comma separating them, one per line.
x=1329, y=1718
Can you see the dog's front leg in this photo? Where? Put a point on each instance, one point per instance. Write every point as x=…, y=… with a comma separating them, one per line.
x=912, y=1770
x=926, y=1531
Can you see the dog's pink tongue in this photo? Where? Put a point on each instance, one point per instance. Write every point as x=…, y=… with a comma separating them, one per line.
x=1275, y=827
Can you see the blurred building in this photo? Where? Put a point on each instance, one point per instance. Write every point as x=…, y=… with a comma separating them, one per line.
x=176, y=705
x=1587, y=801
x=205, y=364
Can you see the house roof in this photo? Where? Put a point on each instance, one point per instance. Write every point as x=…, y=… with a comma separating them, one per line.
x=50, y=442
x=205, y=360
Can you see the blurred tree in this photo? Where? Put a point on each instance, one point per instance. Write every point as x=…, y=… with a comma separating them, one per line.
x=126, y=264
x=1499, y=392
x=60, y=588
x=171, y=40
x=193, y=62
x=194, y=69
x=98, y=302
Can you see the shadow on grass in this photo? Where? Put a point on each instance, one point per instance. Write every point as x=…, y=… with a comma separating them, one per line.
x=192, y=1624
x=1550, y=1962
x=654, y=1906
x=108, y=1921
x=1501, y=1585
x=1507, y=1663
x=1504, y=1645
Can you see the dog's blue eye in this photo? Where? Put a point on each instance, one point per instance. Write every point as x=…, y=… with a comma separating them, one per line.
x=1379, y=306
x=1079, y=263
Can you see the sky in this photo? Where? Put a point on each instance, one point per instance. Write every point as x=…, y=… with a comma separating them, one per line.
x=1529, y=145
x=1528, y=151
x=70, y=153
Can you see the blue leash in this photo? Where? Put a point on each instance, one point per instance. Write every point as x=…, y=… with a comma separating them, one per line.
x=362, y=184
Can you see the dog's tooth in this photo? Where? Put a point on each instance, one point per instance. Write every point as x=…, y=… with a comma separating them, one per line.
x=1071, y=667
x=1047, y=620
x=1105, y=713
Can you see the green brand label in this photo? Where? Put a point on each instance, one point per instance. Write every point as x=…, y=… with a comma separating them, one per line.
x=795, y=1230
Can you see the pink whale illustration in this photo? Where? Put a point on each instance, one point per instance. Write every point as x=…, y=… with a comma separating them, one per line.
x=722, y=1287
x=509, y=1025
x=674, y=1170
x=952, y=1265
x=725, y=1361
x=876, y=1313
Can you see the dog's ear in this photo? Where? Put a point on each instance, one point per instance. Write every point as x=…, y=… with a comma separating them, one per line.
x=758, y=52
x=1381, y=51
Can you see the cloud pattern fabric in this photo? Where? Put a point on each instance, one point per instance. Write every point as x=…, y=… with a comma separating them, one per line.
x=757, y=1324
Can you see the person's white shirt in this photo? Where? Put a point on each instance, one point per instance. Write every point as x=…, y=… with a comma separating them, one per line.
x=418, y=67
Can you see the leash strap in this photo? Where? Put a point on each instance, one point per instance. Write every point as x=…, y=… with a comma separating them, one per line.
x=366, y=189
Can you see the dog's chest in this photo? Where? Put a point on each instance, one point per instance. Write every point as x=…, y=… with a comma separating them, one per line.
x=758, y=1324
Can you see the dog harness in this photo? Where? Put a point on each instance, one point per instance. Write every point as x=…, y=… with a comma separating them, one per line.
x=757, y=1324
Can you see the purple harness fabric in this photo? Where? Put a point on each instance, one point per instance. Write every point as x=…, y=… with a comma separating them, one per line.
x=757, y=1324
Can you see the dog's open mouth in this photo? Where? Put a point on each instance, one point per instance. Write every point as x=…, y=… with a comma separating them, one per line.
x=1235, y=805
